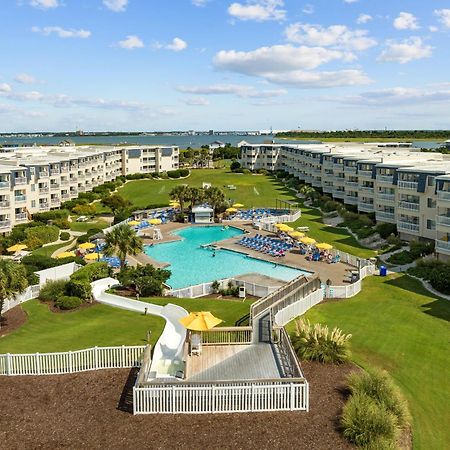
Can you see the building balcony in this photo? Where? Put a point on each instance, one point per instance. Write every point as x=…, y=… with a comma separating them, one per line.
x=5, y=224
x=65, y=196
x=443, y=195
x=44, y=190
x=55, y=201
x=328, y=188
x=386, y=197
x=20, y=180
x=21, y=217
x=44, y=206
x=43, y=174
x=20, y=198
x=408, y=227
x=411, y=206
x=367, y=189
x=385, y=178
x=64, y=182
x=353, y=184
x=443, y=221
x=366, y=207
x=365, y=173
x=4, y=204
x=384, y=216
x=81, y=189
x=5, y=184
x=64, y=169
x=54, y=172
x=55, y=186
x=350, y=200
x=73, y=180
x=441, y=246
x=349, y=169
x=408, y=185
x=338, y=194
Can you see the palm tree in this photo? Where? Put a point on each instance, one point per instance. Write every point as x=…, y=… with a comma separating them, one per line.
x=13, y=280
x=122, y=241
x=215, y=197
x=195, y=195
x=180, y=194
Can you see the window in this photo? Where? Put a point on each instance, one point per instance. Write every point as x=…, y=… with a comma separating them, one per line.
x=431, y=203
x=33, y=187
x=431, y=224
x=431, y=181
x=33, y=203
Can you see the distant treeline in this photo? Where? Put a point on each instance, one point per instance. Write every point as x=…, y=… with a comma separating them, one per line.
x=369, y=134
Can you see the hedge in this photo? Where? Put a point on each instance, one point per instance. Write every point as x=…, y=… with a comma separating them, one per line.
x=68, y=302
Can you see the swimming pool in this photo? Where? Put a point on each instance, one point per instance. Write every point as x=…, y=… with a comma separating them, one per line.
x=192, y=264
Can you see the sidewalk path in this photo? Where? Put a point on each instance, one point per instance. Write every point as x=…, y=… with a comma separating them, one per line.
x=168, y=351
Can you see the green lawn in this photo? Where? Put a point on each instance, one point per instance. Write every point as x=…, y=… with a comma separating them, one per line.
x=399, y=326
x=338, y=237
x=228, y=310
x=85, y=226
x=251, y=190
x=99, y=325
x=49, y=249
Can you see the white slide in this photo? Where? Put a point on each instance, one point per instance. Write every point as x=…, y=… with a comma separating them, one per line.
x=168, y=352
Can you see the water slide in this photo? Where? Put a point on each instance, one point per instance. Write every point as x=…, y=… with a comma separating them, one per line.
x=168, y=351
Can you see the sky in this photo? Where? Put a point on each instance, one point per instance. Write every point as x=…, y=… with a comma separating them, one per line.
x=142, y=65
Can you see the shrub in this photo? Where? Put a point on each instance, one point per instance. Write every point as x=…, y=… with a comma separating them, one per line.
x=44, y=217
x=235, y=165
x=62, y=224
x=421, y=248
x=425, y=266
x=174, y=174
x=67, y=302
x=400, y=258
x=183, y=172
x=79, y=288
x=86, y=237
x=64, y=236
x=439, y=278
x=92, y=272
x=42, y=234
x=146, y=280
x=386, y=229
x=379, y=387
x=316, y=343
x=365, y=421
x=33, y=242
x=52, y=290
x=84, y=210
x=246, y=171
x=89, y=196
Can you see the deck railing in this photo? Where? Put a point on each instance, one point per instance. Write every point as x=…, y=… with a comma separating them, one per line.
x=227, y=335
x=291, y=366
x=70, y=362
x=222, y=397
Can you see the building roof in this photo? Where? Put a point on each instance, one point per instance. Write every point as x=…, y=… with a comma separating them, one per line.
x=199, y=209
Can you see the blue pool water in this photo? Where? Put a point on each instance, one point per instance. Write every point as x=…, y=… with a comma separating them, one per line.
x=191, y=264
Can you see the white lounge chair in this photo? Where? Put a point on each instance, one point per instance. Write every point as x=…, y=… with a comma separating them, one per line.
x=196, y=344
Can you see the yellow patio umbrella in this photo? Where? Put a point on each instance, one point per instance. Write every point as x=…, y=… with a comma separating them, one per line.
x=231, y=210
x=324, y=246
x=238, y=205
x=174, y=204
x=280, y=225
x=286, y=228
x=154, y=221
x=307, y=240
x=17, y=248
x=93, y=256
x=87, y=245
x=133, y=223
x=296, y=234
x=200, y=321
x=65, y=255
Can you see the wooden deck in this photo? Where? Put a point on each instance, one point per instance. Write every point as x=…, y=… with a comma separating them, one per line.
x=232, y=362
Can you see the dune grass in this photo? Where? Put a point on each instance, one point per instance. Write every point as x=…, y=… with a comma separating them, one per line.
x=400, y=327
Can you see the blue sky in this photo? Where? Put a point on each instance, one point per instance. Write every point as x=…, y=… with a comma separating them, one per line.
x=222, y=64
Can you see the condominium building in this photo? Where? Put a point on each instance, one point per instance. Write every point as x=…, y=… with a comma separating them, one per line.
x=399, y=184
x=37, y=179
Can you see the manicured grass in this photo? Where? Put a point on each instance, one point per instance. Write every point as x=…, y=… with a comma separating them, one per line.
x=251, y=190
x=399, y=326
x=99, y=325
x=228, y=310
x=85, y=226
x=338, y=237
x=49, y=249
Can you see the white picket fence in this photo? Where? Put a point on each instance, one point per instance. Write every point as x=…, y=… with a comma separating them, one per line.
x=29, y=293
x=222, y=397
x=73, y=361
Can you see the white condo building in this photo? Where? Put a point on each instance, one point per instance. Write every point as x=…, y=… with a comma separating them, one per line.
x=37, y=179
x=397, y=183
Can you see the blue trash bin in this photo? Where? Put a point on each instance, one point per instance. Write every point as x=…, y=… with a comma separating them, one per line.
x=383, y=271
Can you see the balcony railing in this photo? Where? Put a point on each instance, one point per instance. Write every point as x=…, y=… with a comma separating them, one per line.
x=411, y=206
x=44, y=206
x=44, y=190
x=410, y=185
x=55, y=200
x=64, y=182
x=408, y=226
x=387, y=197
x=365, y=173
x=338, y=194
x=64, y=169
x=20, y=217
x=443, y=195
x=351, y=200
x=55, y=172
x=4, y=203
x=43, y=174
x=350, y=169
x=366, y=207
x=443, y=220
x=385, y=216
x=367, y=189
x=5, y=184
x=385, y=178
x=5, y=224
x=353, y=184
x=53, y=187
x=20, y=180
x=19, y=198
x=65, y=196
x=442, y=246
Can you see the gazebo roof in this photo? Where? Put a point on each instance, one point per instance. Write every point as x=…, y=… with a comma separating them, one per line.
x=199, y=209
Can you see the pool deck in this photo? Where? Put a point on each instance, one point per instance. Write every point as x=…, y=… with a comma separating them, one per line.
x=337, y=273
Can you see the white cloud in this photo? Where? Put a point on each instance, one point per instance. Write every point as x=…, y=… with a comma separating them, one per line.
x=44, y=4
x=62, y=32
x=177, y=45
x=25, y=78
x=405, y=51
x=199, y=3
x=238, y=90
x=433, y=29
x=338, y=36
x=131, y=42
x=196, y=101
x=258, y=10
x=308, y=9
x=278, y=58
x=351, y=1
x=364, y=18
x=444, y=16
x=5, y=87
x=116, y=5
x=406, y=21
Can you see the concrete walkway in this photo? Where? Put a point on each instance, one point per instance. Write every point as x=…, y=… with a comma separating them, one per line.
x=168, y=351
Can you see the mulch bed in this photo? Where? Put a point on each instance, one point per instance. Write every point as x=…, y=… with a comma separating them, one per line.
x=91, y=410
x=11, y=320
x=51, y=306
